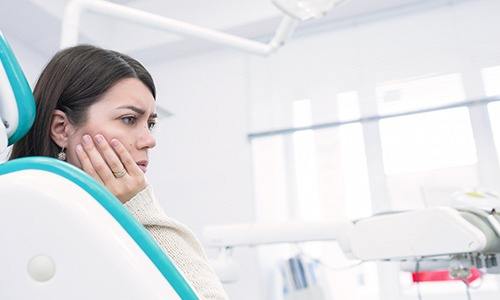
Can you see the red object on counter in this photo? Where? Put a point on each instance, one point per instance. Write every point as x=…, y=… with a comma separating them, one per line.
x=443, y=275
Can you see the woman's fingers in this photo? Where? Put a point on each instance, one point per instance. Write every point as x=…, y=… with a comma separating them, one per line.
x=125, y=157
x=112, y=165
x=99, y=164
x=86, y=163
x=109, y=155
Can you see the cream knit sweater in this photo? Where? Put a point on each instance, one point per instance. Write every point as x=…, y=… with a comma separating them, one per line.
x=179, y=243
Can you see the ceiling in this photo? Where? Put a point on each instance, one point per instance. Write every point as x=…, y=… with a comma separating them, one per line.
x=37, y=23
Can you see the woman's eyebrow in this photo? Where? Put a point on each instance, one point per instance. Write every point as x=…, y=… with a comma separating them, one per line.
x=138, y=110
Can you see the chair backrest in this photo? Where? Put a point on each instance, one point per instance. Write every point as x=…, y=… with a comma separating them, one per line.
x=52, y=209
x=17, y=106
x=64, y=235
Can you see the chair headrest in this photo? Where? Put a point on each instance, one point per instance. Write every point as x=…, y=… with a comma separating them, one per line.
x=17, y=105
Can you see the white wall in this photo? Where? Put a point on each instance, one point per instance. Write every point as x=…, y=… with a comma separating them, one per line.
x=31, y=61
x=201, y=169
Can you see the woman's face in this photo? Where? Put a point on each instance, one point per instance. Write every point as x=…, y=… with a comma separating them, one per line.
x=125, y=112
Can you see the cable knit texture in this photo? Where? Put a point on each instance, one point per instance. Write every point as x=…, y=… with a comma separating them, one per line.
x=179, y=243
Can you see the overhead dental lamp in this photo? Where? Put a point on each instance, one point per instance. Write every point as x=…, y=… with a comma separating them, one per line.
x=295, y=11
x=307, y=9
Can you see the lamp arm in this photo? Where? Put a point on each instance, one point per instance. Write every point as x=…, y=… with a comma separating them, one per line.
x=75, y=8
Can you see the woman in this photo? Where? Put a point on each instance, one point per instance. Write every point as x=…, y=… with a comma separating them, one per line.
x=95, y=109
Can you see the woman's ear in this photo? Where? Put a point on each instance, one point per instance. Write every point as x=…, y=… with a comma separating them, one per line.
x=60, y=128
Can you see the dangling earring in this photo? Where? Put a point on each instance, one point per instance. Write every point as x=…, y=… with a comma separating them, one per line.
x=61, y=155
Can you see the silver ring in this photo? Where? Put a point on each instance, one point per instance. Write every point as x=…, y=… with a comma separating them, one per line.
x=120, y=174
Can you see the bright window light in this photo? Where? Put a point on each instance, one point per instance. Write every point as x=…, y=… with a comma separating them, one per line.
x=407, y=95
x=494, y=110
x=306, y=173
x=427, y=141
x=348, y=106
x=353, y=158
x=491, y=80
x=270, y=186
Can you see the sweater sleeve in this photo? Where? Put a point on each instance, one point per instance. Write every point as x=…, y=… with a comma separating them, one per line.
x=179, y=243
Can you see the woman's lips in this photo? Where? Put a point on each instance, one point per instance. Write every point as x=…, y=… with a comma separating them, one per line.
x=143, y=165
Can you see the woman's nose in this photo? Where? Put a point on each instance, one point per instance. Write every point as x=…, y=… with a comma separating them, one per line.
x=146, y=140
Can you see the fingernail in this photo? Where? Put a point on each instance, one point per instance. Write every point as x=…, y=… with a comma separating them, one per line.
x=79, y=148
x=99, y=139
x=87, y=140
x=114, y=143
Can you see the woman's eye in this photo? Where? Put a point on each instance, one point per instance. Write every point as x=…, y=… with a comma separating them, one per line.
x=151, y=125
x=129, y=120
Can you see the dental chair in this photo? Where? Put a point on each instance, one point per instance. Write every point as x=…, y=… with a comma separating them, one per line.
x=63, y=235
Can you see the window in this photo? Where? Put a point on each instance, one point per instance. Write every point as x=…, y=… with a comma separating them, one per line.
x=305, y=164
x=318, y=175
x=418, y=93
x=427, y=141
x=427, y=156
x=353, y=159
x=332, y=184
x=330, y=164
x=491, y=79
x=270, y=183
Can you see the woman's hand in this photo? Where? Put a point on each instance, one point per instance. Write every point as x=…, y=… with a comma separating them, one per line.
x=112, y=165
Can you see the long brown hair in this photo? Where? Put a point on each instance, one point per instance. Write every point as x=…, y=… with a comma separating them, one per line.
x=73, y=80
